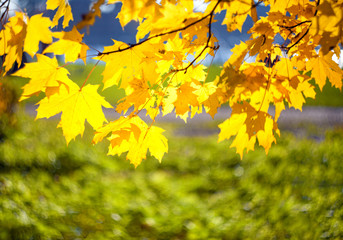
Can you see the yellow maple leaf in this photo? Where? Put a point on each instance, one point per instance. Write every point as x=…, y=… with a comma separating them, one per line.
x=12, y=39
x=168, y=100
x=238, y=54
x=113, y=126
x=76, y=105
x=286, y=68
x=279, y=107
x=296, y=99
x=185, y=99
x=281, y=6
x=150, y=139
x=136, y=10
x=214, y=102
x=122, y=66
x=236, y=13
x=45, y=73
x=234, y=126
x=328, y=24
x=180, y=14
x=243, y=142
x=38, y=30
x=255, y=119
x=247, y=124
x=324, y=67
x=132, y=135
x=231, y=126
x=138, y=97
x=64, y=10
x=70, y=44
x=266, y=136
x=210, y=96
x=255, y=44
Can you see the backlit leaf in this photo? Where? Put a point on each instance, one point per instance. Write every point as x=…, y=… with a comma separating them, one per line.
x=44, y=74
x=63, y=10
x=133, y=136
x=76, y=105
x=70, y=44
x=38, y=30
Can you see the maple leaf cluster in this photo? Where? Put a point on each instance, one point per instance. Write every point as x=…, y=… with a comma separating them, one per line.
x=163, y=72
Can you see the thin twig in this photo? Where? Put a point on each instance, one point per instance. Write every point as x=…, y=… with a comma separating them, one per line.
x=89, y=74
x=207, y=43
x=296, y=25
x=162, y=34
x=288, y=48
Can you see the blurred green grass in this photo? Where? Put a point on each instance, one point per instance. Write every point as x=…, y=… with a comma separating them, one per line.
x=330, y=96
x=201, y=190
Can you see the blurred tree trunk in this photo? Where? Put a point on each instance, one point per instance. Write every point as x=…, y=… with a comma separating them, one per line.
x=8, y=103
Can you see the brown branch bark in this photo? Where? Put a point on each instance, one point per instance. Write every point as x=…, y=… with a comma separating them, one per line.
x=207, y=43
x=296, y=25
x=165, y=33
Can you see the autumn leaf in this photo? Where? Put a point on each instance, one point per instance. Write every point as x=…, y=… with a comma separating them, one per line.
x=328, y=24
x=248, y=124
x=63, y=10
x=38, y=30
x=136, y=10
x=12, y=39
x=255, y=45
x=236, y=13
x=44, y=74
x=76, y=105
x=213, y=102
x=185, y=99
x=162, y=71
x=239, y=52
x=322, y=68
x=210, y=96
x=180, y=14
x=286, y=68
x=121, y=66
x=133, y=136
x=139, y=95
x=70, y=44
x=234, y=126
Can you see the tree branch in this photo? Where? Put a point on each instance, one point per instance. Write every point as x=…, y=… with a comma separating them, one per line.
x=207, y=43
x=288, y=48
x=296, y=25
x=166, y=33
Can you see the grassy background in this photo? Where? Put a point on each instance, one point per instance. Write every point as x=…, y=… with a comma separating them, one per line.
x=201, y=190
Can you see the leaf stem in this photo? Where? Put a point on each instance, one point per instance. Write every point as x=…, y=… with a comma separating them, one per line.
x=89, y=74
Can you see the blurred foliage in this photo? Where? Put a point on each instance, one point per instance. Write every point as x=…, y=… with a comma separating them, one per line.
x=201, y=190
x=329, y=96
